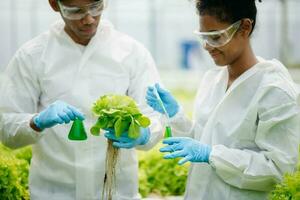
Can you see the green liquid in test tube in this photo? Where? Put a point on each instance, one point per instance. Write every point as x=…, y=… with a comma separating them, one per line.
x=168, y=132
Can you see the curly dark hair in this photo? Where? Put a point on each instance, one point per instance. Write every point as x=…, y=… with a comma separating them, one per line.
x=228, y=11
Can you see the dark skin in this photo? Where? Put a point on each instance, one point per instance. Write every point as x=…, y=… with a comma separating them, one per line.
x=237, y=55
x=83, y=30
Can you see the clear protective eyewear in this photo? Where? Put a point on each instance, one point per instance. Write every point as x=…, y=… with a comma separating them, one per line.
x=218, y=38
x=76, y=13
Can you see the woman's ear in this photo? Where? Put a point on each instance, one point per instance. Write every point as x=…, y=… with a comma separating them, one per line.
x=54, y=5
x=246, y=27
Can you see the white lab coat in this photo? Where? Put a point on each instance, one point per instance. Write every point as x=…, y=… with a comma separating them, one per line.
x=52, y=67
x=253, y=129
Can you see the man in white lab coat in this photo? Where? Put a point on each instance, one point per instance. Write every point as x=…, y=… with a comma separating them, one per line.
x=54, y=79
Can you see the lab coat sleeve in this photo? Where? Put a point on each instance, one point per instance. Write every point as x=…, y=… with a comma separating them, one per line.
x=145, y=74
x=181, y=125
x=277, y=138
x=20, y=93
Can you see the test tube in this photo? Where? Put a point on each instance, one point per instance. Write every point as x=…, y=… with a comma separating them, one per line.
x=168, y=132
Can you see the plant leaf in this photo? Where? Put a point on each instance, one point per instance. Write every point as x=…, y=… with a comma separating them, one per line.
x=118, y=112
x=102, y=122
x=143, y=121
x=132, y=110
x=120, y=127
x=95, y=130
x=134, y=130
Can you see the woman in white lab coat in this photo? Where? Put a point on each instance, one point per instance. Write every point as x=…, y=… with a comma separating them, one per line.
x=56, y=78
x=245, y=131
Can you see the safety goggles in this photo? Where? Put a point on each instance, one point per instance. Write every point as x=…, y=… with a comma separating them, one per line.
x=218, y=38
x=77, y=13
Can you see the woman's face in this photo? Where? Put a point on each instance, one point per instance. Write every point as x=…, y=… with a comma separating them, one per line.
x=227, y=54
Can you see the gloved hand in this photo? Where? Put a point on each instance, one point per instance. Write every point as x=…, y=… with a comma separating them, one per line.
x=168, y=100
x=57, y=113
x=125, y=142
x=191, y=149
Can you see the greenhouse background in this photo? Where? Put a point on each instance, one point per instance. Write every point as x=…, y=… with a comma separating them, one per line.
x=155, y=23
x=180, y=60
x=166, y=28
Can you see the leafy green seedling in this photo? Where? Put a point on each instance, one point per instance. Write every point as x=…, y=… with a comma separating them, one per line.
x=121, y=114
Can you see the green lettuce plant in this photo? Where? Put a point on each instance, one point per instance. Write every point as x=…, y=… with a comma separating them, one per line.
x=289, y=189
x=14, y=166
x=121, y=114
x=160, y=176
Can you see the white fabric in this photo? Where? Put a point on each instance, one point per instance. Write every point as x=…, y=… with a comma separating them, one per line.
x=81, y=48
x=52, y=67
x=253, y=129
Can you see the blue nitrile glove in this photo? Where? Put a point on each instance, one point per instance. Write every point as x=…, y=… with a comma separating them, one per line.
x=188, y=148
x=125, y=142
x=58, y=112
x=168, y=100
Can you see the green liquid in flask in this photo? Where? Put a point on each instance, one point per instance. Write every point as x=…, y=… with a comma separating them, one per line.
x=77, y=131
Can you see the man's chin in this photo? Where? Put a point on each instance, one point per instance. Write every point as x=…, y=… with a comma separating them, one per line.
x=88, y=34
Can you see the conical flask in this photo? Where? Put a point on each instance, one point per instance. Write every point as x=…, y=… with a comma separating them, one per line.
x=77, y=131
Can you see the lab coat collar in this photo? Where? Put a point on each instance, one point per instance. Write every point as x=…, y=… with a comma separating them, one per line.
x=249, y=73
x=59, y=37
x=269, y=65
x=57, y=28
